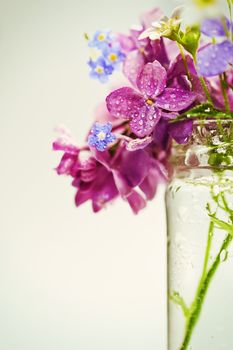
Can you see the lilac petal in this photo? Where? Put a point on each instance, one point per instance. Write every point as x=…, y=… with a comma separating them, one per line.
x=173, y=99
x=171, y=49
x=160, y=134
x=169, y=115
x=88, y=176
x=133, y=65
x=67, y=164
x=150, y=184
x=105, y=191
x=126, y=42
x=181, y=131
x=83, y=196
x=138, y=143
x=65, y=141
x=158, y=51
x=121, y=183
x=152, y=79
x=136, y=202
x=213, y=27
x=214, y=59
x=124, y=102
x=134, y=166
x=177, y=67
x=144, y=120
x=102, y=158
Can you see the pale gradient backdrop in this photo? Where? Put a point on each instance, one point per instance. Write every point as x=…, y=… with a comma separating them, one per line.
x=69, y=279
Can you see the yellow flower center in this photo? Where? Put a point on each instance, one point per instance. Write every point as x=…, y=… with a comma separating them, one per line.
x=99, y=70
x=150, y=102
x=205, y=3
x=113, y=57
x=101, y=135
x=101, y=37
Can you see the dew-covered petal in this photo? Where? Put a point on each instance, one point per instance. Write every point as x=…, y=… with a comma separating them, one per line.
x=124, y=103
x=144, y=120
x=181, y=131
x=213, y=59
x=213, y=27
x=173, y=99
x=152, y=79
x=133, y=65
x=138, y=143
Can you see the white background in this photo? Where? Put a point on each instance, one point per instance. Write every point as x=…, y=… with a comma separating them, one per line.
x=69, y=279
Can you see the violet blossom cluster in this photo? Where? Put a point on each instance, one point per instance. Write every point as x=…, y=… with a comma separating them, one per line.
x=169, y=72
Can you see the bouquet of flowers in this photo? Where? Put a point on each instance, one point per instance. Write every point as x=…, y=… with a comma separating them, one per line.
x=180, y=75
x=175, y=75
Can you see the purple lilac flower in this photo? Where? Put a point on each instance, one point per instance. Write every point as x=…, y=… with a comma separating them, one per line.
x=144, y=108
x=101, y=39
x=100, y=69
x=213, y=59
x=139, y=52
x=101, y=177
x=101, y=136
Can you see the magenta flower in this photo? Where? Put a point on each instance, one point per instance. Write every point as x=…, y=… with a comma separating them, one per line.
x=143, y=108
x=100, y=177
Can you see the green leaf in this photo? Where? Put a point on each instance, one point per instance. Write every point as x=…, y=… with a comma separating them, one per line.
x=203, y=111
x=190, y=40
x=177, y=299
x=222, y=224
x=86, y=36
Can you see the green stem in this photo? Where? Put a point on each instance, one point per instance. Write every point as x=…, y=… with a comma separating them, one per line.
x=205, y=88
x=230, y=14
x=224, y=92
x=185, y=61
x=203, y=84
x=202, y=291
x=177, y=299
x=208, y=246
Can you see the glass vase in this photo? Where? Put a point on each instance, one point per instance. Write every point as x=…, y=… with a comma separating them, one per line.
x=199, y=202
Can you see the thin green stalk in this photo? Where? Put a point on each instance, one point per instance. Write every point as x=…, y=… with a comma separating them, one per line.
x=185, y=61
x=230, y=15
x=208, y=247
x=203, y=84
x=177, y=299
x=205, y=88
x=200, y=297
x=193, y=312
x=224, y=92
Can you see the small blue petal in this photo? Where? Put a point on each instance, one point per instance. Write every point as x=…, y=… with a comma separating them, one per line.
x=100, y=142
